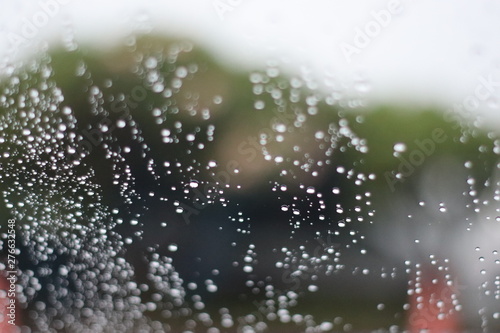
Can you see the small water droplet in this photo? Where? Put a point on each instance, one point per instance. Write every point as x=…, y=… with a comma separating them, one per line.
x=312, y=288
x=281, y=128
x=399, y=147
x=120, y=123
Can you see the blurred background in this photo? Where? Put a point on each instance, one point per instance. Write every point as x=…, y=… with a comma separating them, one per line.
x=249, y=166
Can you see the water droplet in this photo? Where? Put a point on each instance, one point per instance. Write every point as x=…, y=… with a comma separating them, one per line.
x=399, y=147
x=319, y=135
x=120, y=123
x=312, y=288
x=151, y=63
x=259, y=105
x=181, y=72
x=281, y=128
x=326, y=326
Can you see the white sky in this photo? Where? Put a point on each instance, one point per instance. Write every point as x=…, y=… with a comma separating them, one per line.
x=432, y=51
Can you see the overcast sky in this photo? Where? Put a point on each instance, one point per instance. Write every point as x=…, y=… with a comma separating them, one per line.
x=407, y=50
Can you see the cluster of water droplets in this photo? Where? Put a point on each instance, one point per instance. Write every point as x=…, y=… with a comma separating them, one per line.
x=108, y=187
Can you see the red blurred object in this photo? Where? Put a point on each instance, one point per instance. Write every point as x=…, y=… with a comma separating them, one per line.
x=432, y=307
